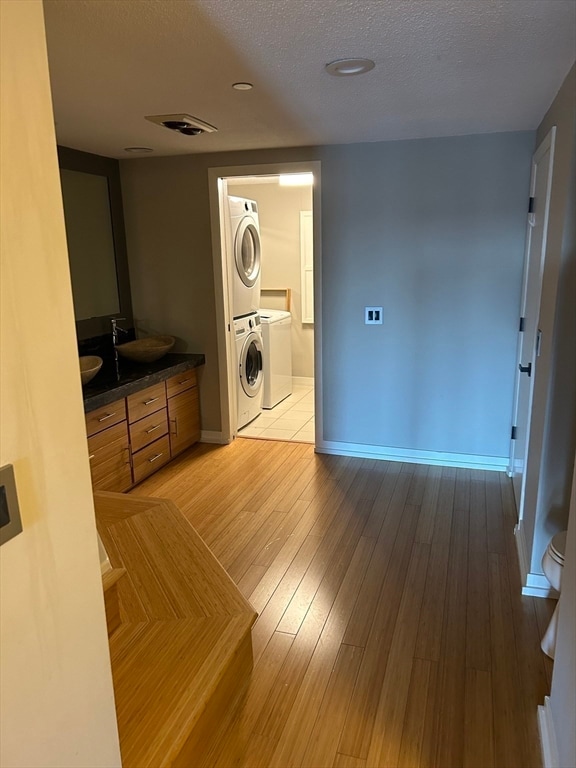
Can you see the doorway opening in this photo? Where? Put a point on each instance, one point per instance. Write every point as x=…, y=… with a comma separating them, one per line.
x=266, y=251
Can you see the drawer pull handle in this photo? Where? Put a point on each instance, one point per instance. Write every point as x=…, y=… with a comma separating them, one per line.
x=183, y=381
x=155, y=457
x=107, y=416
x=91, y=456
x=153, y=429
x=152, y=400
x=175, y=422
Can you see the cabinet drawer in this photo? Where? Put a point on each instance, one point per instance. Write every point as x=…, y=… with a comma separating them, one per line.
x=146, y=401
x=181, y=382
x=109, y=452
x=148, y=429
x=149, y=459
x=105, y=417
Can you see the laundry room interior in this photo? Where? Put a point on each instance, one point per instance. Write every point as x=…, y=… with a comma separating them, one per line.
x=281, y=405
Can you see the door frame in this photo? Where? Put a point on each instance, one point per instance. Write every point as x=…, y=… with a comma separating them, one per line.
x=220, y=231
x=546, y=145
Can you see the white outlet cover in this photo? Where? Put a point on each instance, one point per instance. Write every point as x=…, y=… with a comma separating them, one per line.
x=373, y=315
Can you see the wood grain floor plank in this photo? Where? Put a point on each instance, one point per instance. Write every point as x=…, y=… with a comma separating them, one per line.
x=382, y=500
x=357, y=732
x=364, y=610
x=250, y=580
x=269, y=617
x=432, y=613
x=415, y=717
x=321, y=748
x=274, y=543
x=249, y=549
x=509, y=744
x=494, y=515
x=346, y=761
x=479, y=718
x=389, y=721
x=478, y=611
x=298, y=727
x=431, y=718
x=429, y=506
x=452, y=669
x=462, y=489
x=418, y=485
x=339, y=543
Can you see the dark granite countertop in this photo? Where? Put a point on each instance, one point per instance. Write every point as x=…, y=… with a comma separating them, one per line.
x=105, y=388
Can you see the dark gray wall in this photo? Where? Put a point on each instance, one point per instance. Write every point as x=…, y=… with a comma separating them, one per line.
x=432, y=230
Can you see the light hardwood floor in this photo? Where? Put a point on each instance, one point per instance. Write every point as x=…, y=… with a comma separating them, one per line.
x=391, y=630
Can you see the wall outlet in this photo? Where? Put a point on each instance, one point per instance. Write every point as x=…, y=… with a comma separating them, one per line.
x=373, y=315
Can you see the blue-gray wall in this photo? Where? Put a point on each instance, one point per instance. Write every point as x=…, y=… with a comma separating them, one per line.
x=432, y=230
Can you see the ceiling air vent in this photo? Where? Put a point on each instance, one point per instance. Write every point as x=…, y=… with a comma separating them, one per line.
x=186, y=124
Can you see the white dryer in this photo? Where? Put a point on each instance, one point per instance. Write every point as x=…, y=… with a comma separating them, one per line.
x=249, y=368
x=245, y=256
x=277, y=339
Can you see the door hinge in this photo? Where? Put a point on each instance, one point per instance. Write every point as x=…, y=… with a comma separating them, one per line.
x=522, y=321
x=531, y=201
x=513, y=433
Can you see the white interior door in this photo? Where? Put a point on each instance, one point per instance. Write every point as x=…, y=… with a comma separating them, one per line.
x=529, y=334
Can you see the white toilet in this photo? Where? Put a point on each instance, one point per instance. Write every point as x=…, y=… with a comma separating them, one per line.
x=552, y=565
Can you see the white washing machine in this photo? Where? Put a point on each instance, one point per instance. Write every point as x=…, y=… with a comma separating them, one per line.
x=249, y=368
x=245, y=256
x=277, y=339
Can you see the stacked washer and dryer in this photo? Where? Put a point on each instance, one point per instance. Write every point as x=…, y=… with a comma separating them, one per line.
x=261, y=370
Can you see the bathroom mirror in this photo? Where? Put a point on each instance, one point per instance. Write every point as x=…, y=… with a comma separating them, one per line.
x=92, y=200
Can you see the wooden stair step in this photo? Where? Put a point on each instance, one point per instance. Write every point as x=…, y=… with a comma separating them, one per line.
x=183, y=651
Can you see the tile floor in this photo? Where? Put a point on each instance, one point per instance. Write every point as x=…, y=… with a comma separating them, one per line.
x=292, y=419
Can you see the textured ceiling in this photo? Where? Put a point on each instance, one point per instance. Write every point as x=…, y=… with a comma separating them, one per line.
x=443, y=67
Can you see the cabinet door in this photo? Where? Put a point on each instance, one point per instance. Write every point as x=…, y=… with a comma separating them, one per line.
x=110, y=459
x=184, y=419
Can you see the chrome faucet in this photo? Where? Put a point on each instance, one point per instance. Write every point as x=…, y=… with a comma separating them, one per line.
x=116, y=328
x=115, y=331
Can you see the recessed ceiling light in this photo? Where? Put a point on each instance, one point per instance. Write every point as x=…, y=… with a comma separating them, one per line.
x=137, y=150
x=243, y=86
x=348, y=67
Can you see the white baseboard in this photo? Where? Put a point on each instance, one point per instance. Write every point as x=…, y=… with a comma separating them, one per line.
x=213, y=437
x=548, y=741
x=307, y=381
x=533, y=584
x=522, y=553
x=537, y=585
x=467, y=461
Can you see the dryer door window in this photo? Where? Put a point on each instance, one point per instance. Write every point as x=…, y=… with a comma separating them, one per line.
x=247, y=252
x=251, y=373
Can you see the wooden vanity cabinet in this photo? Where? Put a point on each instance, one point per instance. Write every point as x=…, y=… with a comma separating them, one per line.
x=109, y=448
x=133, y=437
x=183, y=411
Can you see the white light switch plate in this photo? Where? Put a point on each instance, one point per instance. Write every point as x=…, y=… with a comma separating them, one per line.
x=373, y=315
